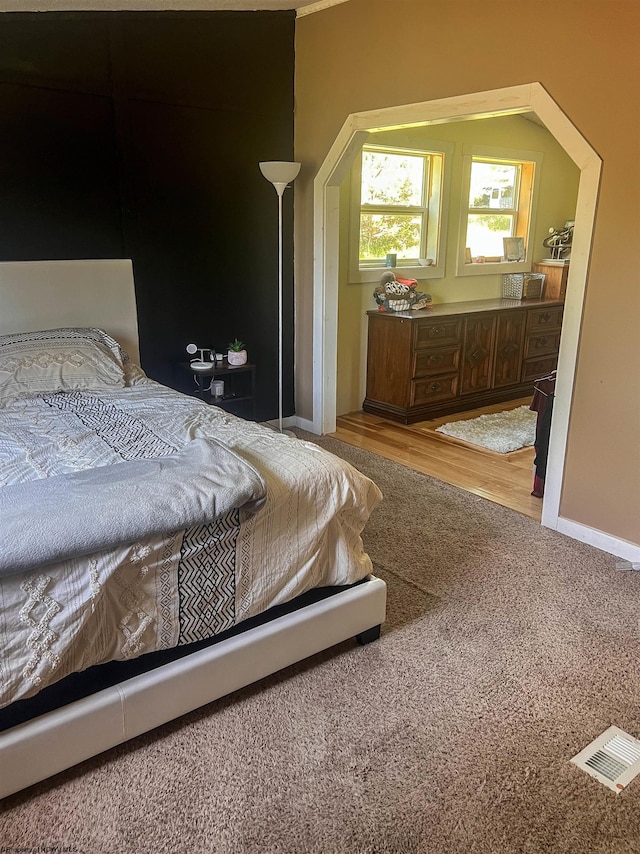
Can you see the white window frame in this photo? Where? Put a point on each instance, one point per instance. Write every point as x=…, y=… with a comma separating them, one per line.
x=434, y=239
x=506, y=155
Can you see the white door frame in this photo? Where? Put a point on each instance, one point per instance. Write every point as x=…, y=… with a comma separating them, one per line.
x=526, y=98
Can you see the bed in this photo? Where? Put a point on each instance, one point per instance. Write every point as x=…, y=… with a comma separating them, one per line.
x=156, y=552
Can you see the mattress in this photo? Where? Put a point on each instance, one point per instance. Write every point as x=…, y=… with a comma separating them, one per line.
x=173, y=587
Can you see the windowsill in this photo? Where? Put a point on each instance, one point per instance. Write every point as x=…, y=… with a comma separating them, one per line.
x=493, y=268
x=372, y=275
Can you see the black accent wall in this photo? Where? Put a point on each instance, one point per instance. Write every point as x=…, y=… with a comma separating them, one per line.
x=138, y=135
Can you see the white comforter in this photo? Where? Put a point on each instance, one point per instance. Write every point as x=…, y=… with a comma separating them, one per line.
x=169, y=589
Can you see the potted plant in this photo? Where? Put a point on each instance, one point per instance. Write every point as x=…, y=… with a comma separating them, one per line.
x=236, y=354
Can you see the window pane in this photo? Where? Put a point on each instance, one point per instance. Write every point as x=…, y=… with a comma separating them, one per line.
x=493, y=185
x=383, y=233
x=391, y=179
x=485, y=233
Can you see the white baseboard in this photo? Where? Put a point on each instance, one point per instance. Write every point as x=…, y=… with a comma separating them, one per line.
x=293, y=421
x=605, y=542
x=289, y=421
x=303, y=424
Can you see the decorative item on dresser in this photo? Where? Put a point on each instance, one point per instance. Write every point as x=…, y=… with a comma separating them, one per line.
x=556, y=274
x=393, y=294
x=523, y=285
x=560, y=240
x=458, y=356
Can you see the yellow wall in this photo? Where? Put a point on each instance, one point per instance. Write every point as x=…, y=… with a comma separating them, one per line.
x=368, y=54
x=558, y=190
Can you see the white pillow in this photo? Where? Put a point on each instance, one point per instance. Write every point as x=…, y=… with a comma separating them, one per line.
x=59, y=360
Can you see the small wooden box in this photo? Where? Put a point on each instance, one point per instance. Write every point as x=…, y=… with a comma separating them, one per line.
x=555, y=283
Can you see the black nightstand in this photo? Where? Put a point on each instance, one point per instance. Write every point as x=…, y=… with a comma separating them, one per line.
x=239, y=385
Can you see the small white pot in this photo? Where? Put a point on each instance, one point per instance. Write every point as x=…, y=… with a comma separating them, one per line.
x=237, y=357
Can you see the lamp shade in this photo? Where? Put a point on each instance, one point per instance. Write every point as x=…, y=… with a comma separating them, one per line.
x=279, y=171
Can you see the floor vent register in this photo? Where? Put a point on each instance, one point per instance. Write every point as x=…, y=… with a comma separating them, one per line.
x=613, y=758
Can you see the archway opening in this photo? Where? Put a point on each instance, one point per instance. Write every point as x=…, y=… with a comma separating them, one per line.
x=531, y=98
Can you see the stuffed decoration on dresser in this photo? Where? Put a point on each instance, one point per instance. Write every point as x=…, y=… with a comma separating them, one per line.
x=393, y=294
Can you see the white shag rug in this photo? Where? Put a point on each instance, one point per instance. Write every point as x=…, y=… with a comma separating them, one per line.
x=501, y=431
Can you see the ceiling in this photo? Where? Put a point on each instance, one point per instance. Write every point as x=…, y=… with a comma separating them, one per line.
x=304, y=7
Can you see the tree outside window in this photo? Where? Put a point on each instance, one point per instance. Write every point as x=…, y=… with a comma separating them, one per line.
x=498, y=207
x=399, y=206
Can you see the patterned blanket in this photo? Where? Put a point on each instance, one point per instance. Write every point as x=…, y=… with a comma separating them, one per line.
x=180, y=585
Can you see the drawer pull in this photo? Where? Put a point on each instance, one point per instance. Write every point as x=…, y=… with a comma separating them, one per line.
x=436, y=359
x=436, y=330
x=435, y=386
x=545, y=318
x=540, y=342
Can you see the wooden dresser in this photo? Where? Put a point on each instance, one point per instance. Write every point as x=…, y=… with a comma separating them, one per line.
x=458, y=356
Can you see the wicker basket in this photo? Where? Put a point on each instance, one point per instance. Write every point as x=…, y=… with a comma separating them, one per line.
x=398, y=303
x=523, y=285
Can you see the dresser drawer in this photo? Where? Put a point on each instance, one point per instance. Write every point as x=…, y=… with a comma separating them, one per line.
x=437, y=333
x=428, y=363
x=544, y=318
x=534, y=369
x=542, y=345
x=433, y=390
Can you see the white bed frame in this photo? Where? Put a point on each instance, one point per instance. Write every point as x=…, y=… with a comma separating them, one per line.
x=45, y=295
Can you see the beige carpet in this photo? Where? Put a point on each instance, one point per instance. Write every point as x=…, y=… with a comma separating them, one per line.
x=507, y=649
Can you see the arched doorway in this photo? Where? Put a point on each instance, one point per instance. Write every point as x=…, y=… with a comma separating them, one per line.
x=498, y=102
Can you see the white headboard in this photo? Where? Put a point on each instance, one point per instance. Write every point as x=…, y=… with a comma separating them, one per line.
x=49, y=294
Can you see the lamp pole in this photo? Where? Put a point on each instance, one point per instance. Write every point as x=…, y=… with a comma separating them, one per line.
x=280, y=173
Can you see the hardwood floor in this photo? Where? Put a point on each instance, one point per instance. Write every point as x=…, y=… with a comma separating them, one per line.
x=506, y=479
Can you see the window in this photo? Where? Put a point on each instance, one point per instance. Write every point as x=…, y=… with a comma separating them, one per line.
x=397, y=210
x=497, y=203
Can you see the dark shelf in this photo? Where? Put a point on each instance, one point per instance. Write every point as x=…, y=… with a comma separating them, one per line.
x=246, y=386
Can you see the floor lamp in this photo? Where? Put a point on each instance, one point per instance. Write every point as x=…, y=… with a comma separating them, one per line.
x=280, y=173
